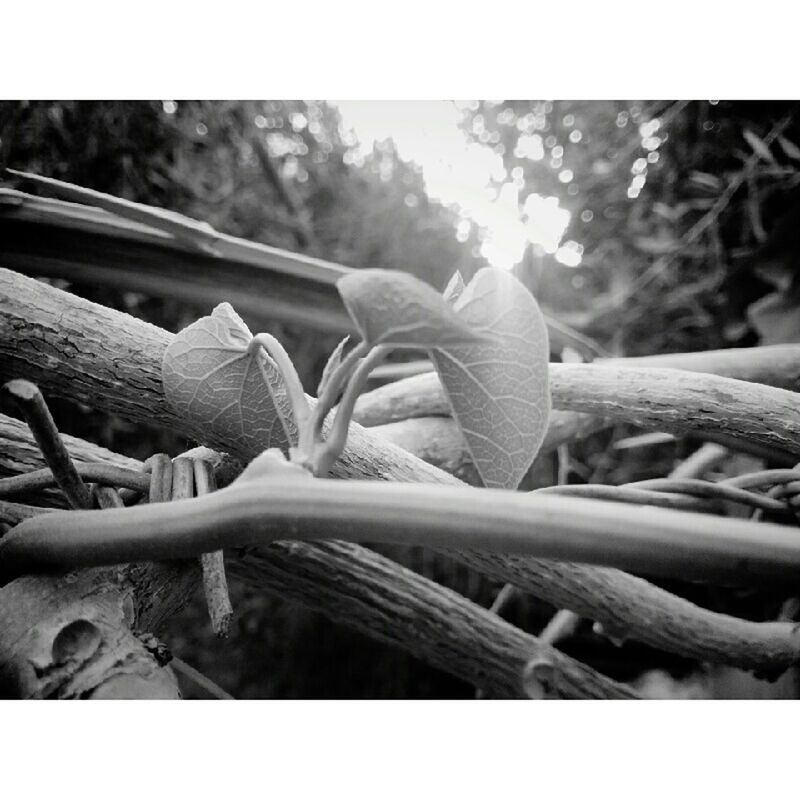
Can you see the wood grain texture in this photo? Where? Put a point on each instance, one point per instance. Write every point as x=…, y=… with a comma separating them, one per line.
x=657, y=398
x=397, y=606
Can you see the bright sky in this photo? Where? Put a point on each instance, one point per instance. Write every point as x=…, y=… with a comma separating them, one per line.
x=457, y=171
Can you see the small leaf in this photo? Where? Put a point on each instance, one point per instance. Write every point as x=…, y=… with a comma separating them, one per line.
x=212, y=379
x=395, y=308
x=760, y=147
x=332, y=364
x=498, y=387
x=454, y=287
x=789, y=147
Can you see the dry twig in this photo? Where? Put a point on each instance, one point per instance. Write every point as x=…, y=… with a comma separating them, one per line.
x=32, y=404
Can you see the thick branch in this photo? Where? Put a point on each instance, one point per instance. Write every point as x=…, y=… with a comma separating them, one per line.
x=71, y=636
x=366, y=591
x=439, y=441
x=665, y=399
x=81, y=351
x=775, y=365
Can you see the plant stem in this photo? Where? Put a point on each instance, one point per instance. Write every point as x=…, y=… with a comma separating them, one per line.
x=197, y=677
x=326, y=454
x=332, y=364
x=692, y=545
x=291, y=380
x=634, y=496
x=311, y=433
x=104, y=474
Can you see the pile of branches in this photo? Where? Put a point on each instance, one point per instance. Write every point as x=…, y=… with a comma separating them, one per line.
x=86, y=633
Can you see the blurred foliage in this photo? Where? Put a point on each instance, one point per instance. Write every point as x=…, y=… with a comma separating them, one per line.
x=683, y=215
x=682, y=236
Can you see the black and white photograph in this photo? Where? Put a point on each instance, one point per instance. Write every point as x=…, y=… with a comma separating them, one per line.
x=482, y=399
x=395, y=399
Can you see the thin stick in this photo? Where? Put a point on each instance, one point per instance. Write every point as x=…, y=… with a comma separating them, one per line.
x=104, y=474
x=562, y=624
x=160, y=468
x=13, y=513
x=706, y=489
x=705, y=458
x=215, y=583
x=634, y=496
x=504, y=597
x=106, y=497
x=40, y=421
x=766, y=477
x=196, y=677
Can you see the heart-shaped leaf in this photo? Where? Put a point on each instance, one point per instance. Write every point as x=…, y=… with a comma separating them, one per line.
x=212, y=378
x=498, y=387
x=395, y=308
